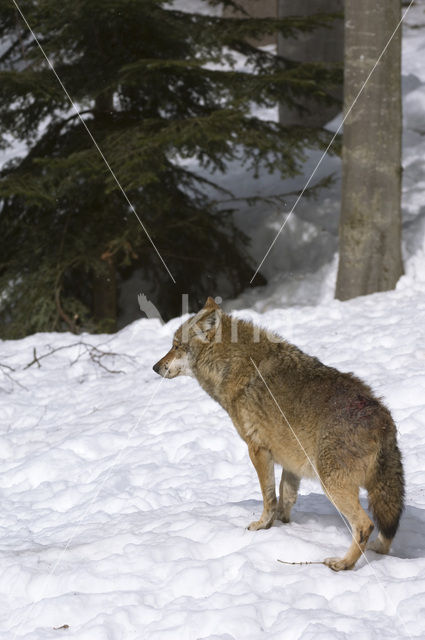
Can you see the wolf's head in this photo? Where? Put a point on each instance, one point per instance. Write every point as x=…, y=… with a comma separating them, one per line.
x=196, y=332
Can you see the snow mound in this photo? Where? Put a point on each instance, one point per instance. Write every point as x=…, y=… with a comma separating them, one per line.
x=125, y=496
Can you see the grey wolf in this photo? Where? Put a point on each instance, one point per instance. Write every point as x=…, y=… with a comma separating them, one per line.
x=334, y=426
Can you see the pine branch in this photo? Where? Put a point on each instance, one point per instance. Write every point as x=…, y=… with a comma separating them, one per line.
x=172, y=96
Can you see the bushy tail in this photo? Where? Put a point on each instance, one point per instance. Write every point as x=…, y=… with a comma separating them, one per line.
x=386, y=491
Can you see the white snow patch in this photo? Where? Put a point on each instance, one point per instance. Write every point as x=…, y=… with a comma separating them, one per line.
x=125, y=497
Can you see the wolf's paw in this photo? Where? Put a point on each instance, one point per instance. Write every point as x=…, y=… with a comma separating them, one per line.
x=337, y=564
x=260, y=524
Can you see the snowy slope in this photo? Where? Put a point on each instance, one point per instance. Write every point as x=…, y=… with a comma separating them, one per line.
x=125, y=496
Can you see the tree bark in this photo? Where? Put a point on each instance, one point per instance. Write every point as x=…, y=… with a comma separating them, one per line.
x=370, y=226
x=105, y=298
x=105, y=282
x=324, y=45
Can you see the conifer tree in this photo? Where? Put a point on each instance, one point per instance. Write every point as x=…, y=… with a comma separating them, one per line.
x=160, y=94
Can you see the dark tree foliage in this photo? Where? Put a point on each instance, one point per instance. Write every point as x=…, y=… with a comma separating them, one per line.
x=150, y=84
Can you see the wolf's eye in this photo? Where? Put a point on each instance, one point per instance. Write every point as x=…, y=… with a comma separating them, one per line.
x=176, y=346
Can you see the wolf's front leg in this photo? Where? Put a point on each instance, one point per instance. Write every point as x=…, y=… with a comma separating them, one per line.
x=263, y=463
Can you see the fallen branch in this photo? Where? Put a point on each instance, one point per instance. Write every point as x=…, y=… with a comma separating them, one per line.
x=304, y=562
x=5, y=368
x=37, y=359
x=95, y=354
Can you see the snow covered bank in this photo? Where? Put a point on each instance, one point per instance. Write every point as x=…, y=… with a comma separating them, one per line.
x=125, y=497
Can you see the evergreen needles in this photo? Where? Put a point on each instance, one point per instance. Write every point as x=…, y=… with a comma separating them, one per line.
x=162, y=96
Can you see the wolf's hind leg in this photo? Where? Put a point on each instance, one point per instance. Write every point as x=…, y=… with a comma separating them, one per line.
x=381, y=544
x=346, y=500
x=288, y=490
x=263, y=462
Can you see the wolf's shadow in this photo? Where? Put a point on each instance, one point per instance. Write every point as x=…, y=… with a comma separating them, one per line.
x=409, y=542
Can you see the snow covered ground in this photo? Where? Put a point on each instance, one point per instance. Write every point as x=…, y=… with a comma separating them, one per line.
x=125, y=496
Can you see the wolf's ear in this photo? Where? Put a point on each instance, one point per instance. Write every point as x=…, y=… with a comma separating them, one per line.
x=211, y=304
x=209, y=320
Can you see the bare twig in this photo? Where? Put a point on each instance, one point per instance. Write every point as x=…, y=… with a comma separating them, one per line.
x=304, y=562
x=95, y=354
x=45, y=355
x=35, y=358
x=5, y=368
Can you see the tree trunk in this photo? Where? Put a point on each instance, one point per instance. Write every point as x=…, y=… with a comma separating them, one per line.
x=105, y=298
x=370, y=225
x=320, y=45
x=105, y=282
